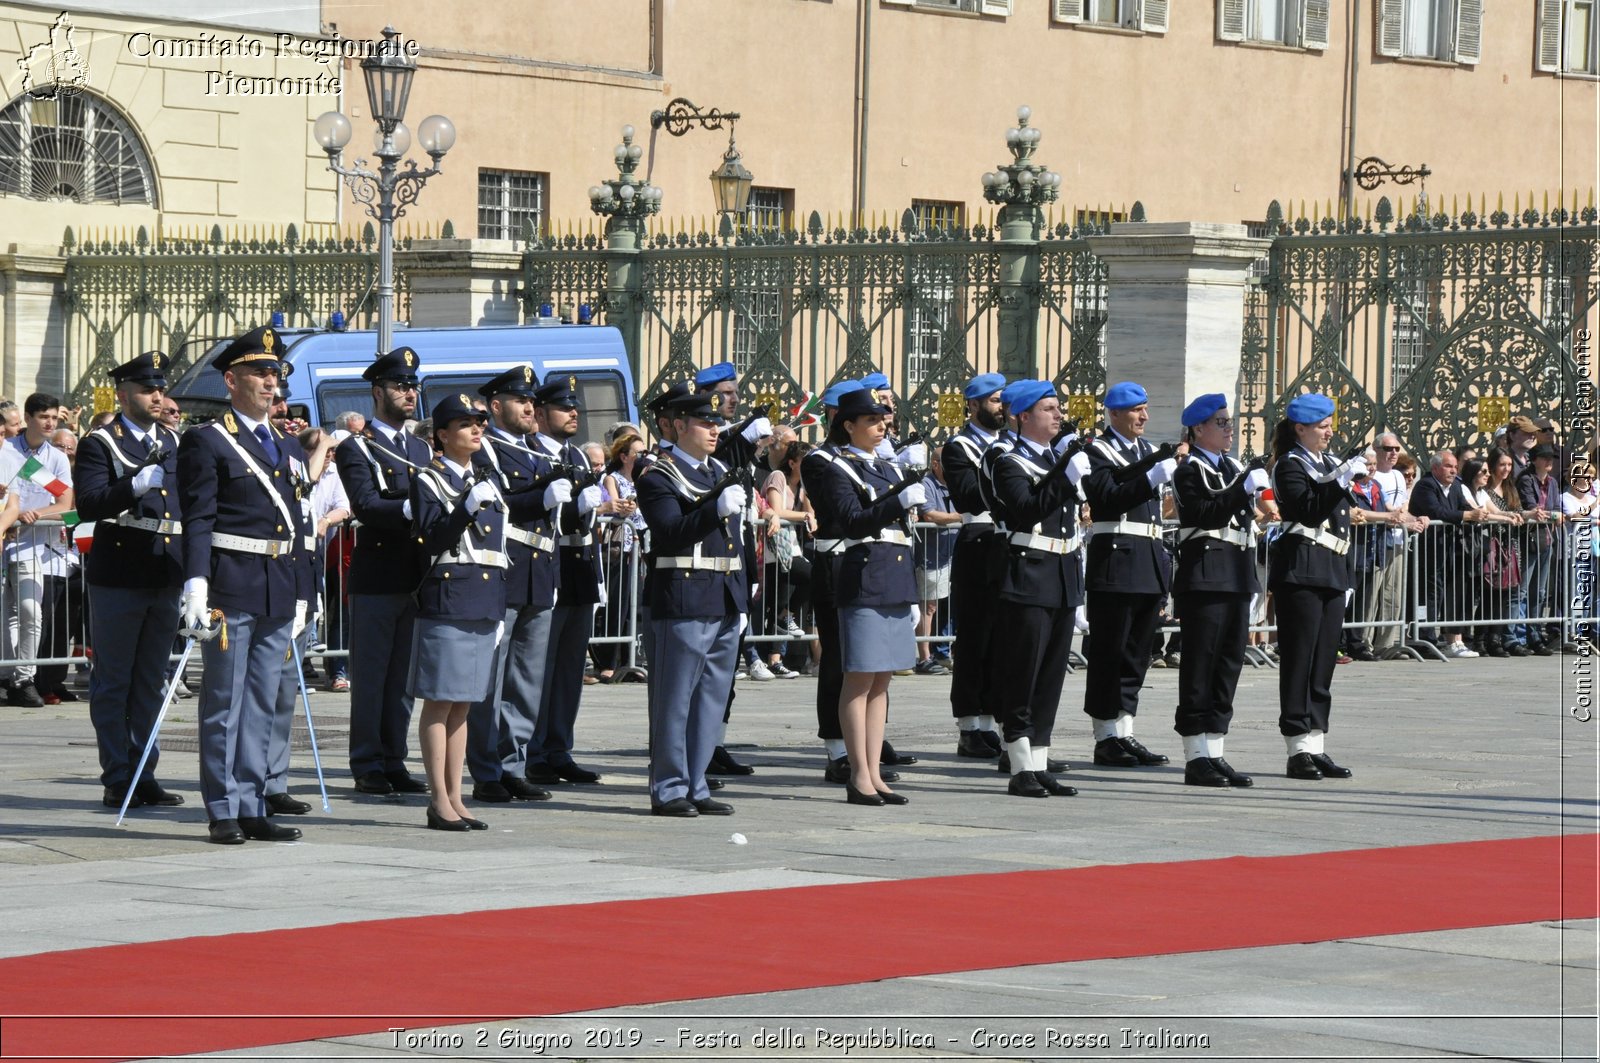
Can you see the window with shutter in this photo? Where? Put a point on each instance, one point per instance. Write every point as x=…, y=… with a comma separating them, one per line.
x=1567, y=39
x=1390, y=34
x=1314, y=20
x=1230, y=20
x=1469, y=31
x=1548, y=41
x=1153, y=16
x=1066, y=10
x=997, y=7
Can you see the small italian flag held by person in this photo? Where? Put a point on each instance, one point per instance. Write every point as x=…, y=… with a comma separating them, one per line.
x=82, y=531
x=33, y=470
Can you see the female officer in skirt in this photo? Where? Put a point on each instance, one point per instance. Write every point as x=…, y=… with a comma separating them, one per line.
x=1309, y=575
x=460, y=522
x=874, y=582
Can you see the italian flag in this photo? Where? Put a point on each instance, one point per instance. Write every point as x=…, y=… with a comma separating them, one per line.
x=804, y=415
x=34, y=471
x=82, y=530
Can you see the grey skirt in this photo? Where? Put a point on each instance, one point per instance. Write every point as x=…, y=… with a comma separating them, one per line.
x=873, y=639
x=453, y=660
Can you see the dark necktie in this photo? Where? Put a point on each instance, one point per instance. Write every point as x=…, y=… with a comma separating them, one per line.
x=264, y=437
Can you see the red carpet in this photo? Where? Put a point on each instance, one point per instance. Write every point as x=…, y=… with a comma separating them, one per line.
x=179, y=997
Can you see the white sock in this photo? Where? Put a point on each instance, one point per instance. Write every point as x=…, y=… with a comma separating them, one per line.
x=1315, y=743
x=1194, y=747
x=1021, y=754
x=1213, y=745
x=835, y=747
x=1297, y=743
x=1041, y=758
x=1104, y=729
x=967, y=723
x=1125, y=725
x=986, y=723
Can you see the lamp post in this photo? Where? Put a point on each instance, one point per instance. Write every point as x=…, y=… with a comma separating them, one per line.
x=730, y=182
x=387, y=193
x=626, y=199
x=1021, y=186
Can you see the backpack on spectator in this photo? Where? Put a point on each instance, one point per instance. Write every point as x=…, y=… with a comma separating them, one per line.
x=1502, y=568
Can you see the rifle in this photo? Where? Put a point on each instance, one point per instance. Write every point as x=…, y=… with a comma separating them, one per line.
x=1123, y=473
x=741, y=475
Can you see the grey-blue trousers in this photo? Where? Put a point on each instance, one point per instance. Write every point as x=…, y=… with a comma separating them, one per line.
x=501, y=726
x=380, y=661
x=238, y=700
x=131, y=630
x=691, y=674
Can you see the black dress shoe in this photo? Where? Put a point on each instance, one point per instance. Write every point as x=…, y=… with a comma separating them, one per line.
x=543, y=775
x=971, y=744
x=113, y=795
x=891, y=798
x=572, y=773
x=707, y=807
x=1111, y=753
x=474, y=824
x=1234, y=778
x=491, y=793
x=373, y=782
x=25, y=696
x=993, y=740
x=438, y=822
x=837, y=771
x=1328, y=768
x=225, y=832
x=403, y=782
x=1496, y=649
x=1140, y=753
x=1024, y=784
x=889, y=756
x=284, y=805
x=715, y=784
x=1202, y=771
x=724, y=764
x=262, y=829
x=1542, y=650
x=856, y=797
x=523, y=790
x=678, y=807
x=1363, y=654
x=888, y=776
x=1055, y=789
x=1301, y=766
x=1516, y=649
x=151, y=793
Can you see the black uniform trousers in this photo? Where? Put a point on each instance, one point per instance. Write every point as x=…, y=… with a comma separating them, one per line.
x=1309, y=622
x=1215, y=625
x=976, y=615
x=830, y=672
x=1120, y=629
x=1031, y=663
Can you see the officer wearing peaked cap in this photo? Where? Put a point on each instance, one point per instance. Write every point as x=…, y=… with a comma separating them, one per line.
x=127, y=482
x=238, y=483
x=376, y=467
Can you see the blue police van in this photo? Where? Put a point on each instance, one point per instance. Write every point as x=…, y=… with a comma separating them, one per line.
x=326, y=379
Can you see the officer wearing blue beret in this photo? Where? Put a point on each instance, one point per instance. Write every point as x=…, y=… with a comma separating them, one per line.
x=698, y=592
x=1129, y=572
x=238, y=484
x=1213, y=586
x=127, y=482
x=971, y=592
x=1310, y=573
x=501, y=726
x=376, y=467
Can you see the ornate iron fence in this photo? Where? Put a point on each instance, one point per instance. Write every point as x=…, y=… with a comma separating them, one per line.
x=1437, y=327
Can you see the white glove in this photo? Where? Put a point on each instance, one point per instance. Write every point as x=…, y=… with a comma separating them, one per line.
x=744, y=623
x=1351, y=469
x=913, y=496
x=756, y=429
x=1349, y=594
x=1256, y=481
x=557, y=493
x=1077, y=468
x=916, y=614
x=195, y=612
x=1066, y=441
x=1162, y=472
x=300, y=609
x=731, y=501
x=590, y=499
x=148, y=478
x=915, y=455
x=481, y=495
x=405, y=509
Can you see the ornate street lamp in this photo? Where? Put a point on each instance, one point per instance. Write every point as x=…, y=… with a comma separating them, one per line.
x=387, y=193
x=730, y=182
x=625, y=200
x=1022, y=186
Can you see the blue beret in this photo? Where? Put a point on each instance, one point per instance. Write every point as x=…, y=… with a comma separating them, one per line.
x=984, y=384
x=1309, y=408
x=844, y=387
x=1201, y=409
x=1125, y=395
x=1023, y=394
x=713, y=375
x=875, y=380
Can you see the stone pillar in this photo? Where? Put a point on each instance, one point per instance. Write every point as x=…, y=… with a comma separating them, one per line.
x=33, y=322
x=1175, y=311
x=463, y=282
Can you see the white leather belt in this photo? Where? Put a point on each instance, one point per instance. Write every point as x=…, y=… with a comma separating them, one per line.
x=1237, y=536
x=245, y=545
x=577, y=540
x=1126, y=527
x=150, y=524
x=705, y=564
x=310, y=544
x=1046, y=543
x=527, y=538
x=1324, y=539
x=486, y=558
x=976, y=518
x=839, y=546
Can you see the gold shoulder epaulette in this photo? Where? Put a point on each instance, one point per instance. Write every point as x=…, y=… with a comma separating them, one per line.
x=229, y=423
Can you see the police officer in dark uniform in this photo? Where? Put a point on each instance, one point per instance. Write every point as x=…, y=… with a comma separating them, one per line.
x=1213, y=585
x=1040, y=584
x=127, y=481
x=237, y=482
x=1310, y=573
x=376, y=468
x=578, y=593
x=501, y=726
x=698, y=592
x=972, y=601
x=1129, y=572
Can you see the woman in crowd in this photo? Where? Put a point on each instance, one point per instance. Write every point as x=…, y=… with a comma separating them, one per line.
x=1487, y=547
x=622, y=530
x=874, y=586
x=1504, y=597
x=786, y=571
